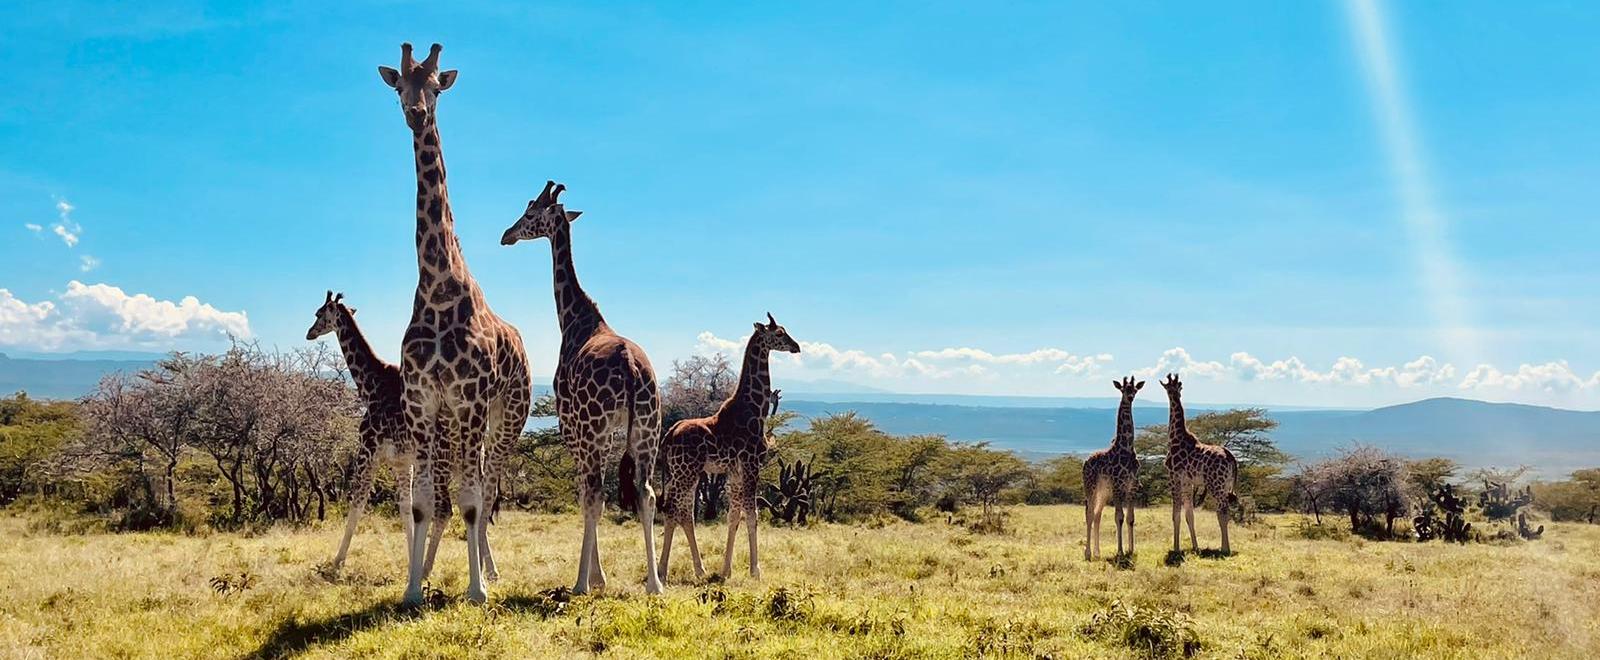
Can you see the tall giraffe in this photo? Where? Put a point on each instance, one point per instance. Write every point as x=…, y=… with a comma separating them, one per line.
x=464, y=369
x=1191, y=464
x=732, y=441
x=606, y=398
x=1111, y=474
x=382, y=427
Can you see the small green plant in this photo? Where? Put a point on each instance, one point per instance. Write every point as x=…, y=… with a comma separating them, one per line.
x=227, y=585
x=1152, y=632
x=786, y=604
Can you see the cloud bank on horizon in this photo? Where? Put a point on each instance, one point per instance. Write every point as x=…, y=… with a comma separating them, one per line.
x=102, y=316
x=967, y=370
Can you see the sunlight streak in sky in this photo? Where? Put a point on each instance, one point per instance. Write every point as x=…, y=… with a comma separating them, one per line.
x=1424, y=221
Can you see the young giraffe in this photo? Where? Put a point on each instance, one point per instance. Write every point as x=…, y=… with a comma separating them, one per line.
x=606, y=398
x=1191, y=464
x=732, y=440
x=1110, y=474
x=382, y=427
x=464, y=369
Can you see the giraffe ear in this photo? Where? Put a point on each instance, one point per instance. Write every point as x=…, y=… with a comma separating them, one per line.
x=760, y=327
x=352, y=311
x=572, y=216
x=1116, y=383
x=390, y=75
x=1138, y=386
x=446, y=79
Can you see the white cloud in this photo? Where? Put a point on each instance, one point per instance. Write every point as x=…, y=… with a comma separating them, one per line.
x=87, y=263
x=104, y=316
x=65, y=227
x=33, y=227
x=1550, y=377
x=1037, y=369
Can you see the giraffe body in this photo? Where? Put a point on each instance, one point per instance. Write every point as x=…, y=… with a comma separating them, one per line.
x=464, y=371
x=382, y=428
x=732, y=441
x=606, y=396
x=1111, y=475
x=1193, y=464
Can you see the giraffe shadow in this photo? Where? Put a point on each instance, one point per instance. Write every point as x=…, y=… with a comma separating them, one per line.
x=294, y=637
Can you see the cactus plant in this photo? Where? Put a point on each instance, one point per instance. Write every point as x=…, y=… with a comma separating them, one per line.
x=1527, y=534
x=1452, y=527
x=1500, y=502
x=789, y=500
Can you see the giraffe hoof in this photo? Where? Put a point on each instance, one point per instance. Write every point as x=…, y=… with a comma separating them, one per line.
x=580, y=589
x=412, y=598
x=492, y=576
x=478, y=596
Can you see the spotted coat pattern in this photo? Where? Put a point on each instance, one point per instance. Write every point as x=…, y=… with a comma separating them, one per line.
x=382, y=428
x=1192, y=464
x=1111, y=475
x=606, y=396
x=731, y=441
x=464, y=370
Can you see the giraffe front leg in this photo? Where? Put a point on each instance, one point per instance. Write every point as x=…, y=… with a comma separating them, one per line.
x=1129, y=500
x=1177, y=520
x=1188, y=515
x=366, y=464
x=589, y=494
x=421, y=429
x=1119, y=515
x=752, y=516
x=402, y=489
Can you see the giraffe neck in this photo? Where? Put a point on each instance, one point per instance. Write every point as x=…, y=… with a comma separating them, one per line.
x=575, y=310
x=1124, y=439
x=1177, y=428
x=363, y=362
x=438, y=250
x=755, y=382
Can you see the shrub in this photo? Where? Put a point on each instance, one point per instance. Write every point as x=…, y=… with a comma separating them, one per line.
x=1152, y=632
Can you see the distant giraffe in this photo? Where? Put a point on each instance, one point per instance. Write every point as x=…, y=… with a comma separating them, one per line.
x=1111, y=474
x=606, y=397
x=732, y=441
x=1191, y=464
x=382, y=427
x=464, y=369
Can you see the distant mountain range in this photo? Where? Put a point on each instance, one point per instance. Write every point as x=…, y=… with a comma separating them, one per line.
x=1475, y=433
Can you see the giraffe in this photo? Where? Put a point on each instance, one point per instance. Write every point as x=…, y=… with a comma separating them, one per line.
x=382, y=426
x=1110, y=474
x=606, y=397
x=734, y=441
x=1191, y=464
x=465, y=373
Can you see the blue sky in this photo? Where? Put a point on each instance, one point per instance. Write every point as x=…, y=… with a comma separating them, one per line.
x=1307, y=203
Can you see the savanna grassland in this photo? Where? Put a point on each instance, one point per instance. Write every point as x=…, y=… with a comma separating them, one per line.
x=895, y=589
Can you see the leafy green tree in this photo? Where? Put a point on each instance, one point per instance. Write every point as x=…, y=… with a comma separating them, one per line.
x=976, y=473
x=1576, y=498
x=1428, y=474
x=1058, y=480
x=1247, y=432
x=31, y=432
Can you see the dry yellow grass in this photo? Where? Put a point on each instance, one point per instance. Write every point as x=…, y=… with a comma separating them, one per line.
x=889, y=590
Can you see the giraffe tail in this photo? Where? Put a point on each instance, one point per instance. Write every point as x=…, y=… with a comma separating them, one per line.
x=1233, y=480
x=628, y=468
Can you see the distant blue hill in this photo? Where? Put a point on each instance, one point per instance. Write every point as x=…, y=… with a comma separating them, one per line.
x=68, y=376
x=1474, y=433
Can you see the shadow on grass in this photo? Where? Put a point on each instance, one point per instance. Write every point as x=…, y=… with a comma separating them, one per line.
x=1177, y=557
x=1122, y=561
x=294, y=637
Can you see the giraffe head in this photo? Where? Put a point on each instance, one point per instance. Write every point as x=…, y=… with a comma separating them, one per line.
x=419, y=85
x=1128, y=387
x=544, y=214
x=773, y=337
x=328, y=316
x=1174, y=388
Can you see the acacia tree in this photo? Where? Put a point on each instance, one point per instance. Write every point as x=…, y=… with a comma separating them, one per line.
x=1362, y=481
x=974, y=472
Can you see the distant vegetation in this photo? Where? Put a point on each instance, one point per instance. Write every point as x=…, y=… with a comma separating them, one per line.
x=250, y=437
